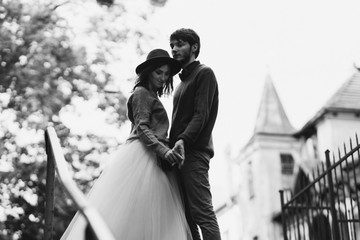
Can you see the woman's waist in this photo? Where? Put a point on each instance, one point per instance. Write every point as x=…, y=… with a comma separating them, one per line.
x=134, y=136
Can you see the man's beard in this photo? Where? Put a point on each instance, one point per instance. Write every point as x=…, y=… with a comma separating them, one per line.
x=186, y=59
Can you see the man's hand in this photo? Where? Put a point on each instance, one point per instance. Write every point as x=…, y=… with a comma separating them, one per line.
x=172, y=157
x=179, y=149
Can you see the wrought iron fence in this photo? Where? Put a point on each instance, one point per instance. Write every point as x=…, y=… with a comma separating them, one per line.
x=327, y=202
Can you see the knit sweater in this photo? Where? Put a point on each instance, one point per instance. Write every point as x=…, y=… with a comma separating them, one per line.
x=195, y=108
x=149, y=121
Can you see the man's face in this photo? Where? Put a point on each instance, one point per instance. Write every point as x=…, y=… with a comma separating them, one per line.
x=181, y=51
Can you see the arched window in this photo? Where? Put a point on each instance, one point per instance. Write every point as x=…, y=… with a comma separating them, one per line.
x=320, y=228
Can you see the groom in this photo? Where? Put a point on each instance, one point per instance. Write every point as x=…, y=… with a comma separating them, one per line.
x=194, y=115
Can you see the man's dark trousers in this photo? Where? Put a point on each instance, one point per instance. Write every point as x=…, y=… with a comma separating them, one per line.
x=196, y=189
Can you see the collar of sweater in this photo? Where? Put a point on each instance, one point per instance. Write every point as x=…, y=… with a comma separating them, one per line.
x=188, y=70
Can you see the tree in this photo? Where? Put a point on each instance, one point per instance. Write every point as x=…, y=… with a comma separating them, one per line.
x=44, y=76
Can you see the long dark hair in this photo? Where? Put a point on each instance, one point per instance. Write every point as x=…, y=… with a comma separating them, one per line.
x=143, y=79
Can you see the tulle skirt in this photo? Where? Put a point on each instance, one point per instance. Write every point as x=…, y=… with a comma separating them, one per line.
x=137, y=200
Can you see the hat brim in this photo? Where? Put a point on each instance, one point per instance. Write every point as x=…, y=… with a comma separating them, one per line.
x=174, y=64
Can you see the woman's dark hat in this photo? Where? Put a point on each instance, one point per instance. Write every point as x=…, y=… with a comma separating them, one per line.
x=159, y=56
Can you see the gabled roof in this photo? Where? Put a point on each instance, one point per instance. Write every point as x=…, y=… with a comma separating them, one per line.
x=271, y=118
x=348, y=96
x=346, y=99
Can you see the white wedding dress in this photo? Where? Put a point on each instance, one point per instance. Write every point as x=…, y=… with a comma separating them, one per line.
x=137, y=200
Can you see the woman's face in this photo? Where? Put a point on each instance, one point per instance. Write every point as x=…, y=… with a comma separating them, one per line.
x=158, y=77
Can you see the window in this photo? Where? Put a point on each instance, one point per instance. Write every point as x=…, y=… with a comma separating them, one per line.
x=287, y=164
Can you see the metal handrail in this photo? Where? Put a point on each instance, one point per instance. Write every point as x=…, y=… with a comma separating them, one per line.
x=56, y=161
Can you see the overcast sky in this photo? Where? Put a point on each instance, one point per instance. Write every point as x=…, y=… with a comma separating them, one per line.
x=307, y=47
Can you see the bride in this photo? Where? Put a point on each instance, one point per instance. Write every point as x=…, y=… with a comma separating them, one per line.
x=136, y=197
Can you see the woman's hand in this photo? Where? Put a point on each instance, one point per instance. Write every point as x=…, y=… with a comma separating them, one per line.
x=179, y=150
x=172, y=157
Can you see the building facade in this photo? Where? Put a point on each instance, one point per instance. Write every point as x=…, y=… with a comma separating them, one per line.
x=276, y=152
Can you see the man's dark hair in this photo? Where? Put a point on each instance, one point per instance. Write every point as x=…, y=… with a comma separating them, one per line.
x=187, y=35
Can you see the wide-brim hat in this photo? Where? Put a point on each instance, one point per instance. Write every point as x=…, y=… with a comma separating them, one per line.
x=159, y=56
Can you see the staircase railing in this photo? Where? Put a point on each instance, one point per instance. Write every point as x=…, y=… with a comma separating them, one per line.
x=56, y=163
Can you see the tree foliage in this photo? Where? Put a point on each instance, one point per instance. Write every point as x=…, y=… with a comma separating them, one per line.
x=44, y=76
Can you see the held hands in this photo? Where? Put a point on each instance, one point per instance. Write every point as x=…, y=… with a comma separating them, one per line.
x=179, y=149
x=172, y=157
x=177, y=154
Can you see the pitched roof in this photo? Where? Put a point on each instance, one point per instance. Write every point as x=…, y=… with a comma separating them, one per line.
x=345, y=99
x=271, y=118
x=348, y=96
